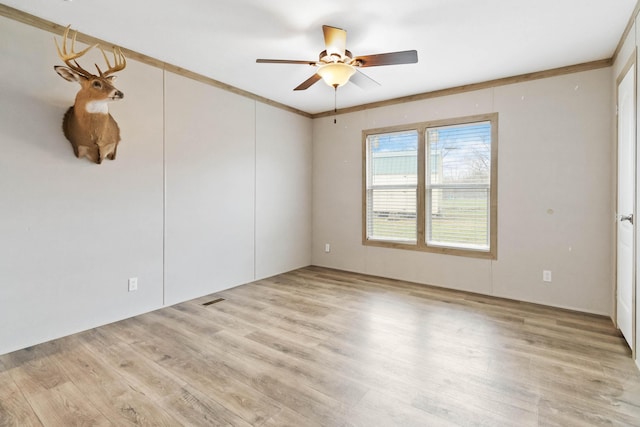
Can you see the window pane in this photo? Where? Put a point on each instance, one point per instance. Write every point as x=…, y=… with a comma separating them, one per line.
x=460, y=154
x=393, y=158
x=392, y=215
x=459, y=217
x=458, y=179
x=392, y=179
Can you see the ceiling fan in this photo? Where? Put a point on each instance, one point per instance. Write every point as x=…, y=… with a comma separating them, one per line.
x=337, y=66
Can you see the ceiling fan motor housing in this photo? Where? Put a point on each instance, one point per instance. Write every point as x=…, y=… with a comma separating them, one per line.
x=326, y=58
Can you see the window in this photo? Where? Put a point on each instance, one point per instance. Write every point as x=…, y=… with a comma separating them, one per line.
x=433, y=186
x=392, y=187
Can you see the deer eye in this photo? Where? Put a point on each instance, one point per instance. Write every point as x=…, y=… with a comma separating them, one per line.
x=97, y=84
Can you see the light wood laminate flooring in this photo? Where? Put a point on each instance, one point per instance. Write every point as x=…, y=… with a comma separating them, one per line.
x=320, y=347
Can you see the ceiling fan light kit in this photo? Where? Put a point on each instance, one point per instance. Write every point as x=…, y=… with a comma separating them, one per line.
x=336, y=74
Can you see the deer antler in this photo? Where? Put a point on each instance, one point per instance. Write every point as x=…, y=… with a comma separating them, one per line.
x=120, y=62
x=69, y=58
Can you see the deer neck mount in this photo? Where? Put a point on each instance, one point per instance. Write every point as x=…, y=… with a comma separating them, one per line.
x=87, y=124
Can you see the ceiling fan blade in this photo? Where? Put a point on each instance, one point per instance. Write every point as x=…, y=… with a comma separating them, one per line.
x=284, y=61
x=335, y=39
x=307, y=83
x=391, y=58
x=363, y=81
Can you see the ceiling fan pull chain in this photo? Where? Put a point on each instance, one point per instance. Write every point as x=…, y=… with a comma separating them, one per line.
x=335, y=103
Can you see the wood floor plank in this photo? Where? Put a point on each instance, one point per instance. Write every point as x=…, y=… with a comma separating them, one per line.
x=379, y=409
x=140, y=374
x=315, y=377
x=14, y=408
x=193, y=407
x=32, y=369
x=107, y=391
x=65, y=405
x=187, y=360
x=322, y=347
x=270, y=380
x=288, y=418
x=220, y=319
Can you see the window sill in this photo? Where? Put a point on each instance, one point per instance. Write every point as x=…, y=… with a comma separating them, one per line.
x=444, y=250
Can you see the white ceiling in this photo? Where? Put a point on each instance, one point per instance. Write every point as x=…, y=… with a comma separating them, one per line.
x=458, y=41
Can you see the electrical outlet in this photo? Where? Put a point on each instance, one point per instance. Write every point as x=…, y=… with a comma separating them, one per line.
x=546, y=275
x=133, y=284
x=327, y=247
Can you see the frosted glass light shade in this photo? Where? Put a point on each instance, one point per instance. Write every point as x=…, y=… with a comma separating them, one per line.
x=336, y=74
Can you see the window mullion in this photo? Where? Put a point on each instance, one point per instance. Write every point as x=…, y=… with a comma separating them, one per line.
x=421, y=187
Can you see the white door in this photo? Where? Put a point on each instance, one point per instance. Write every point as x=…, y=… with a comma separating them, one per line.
x=626, y=203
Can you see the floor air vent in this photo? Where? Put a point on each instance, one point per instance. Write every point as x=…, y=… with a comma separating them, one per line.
x=213, y=301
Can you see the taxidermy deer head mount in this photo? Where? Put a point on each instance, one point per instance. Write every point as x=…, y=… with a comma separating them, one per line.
x=87, y=124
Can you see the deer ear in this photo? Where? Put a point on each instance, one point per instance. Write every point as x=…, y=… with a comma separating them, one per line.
x=68, y=74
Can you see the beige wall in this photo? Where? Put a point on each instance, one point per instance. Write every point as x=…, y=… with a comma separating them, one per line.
x=210, y=171
x=554, y=155
x=192, y=204
x=283, y=161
